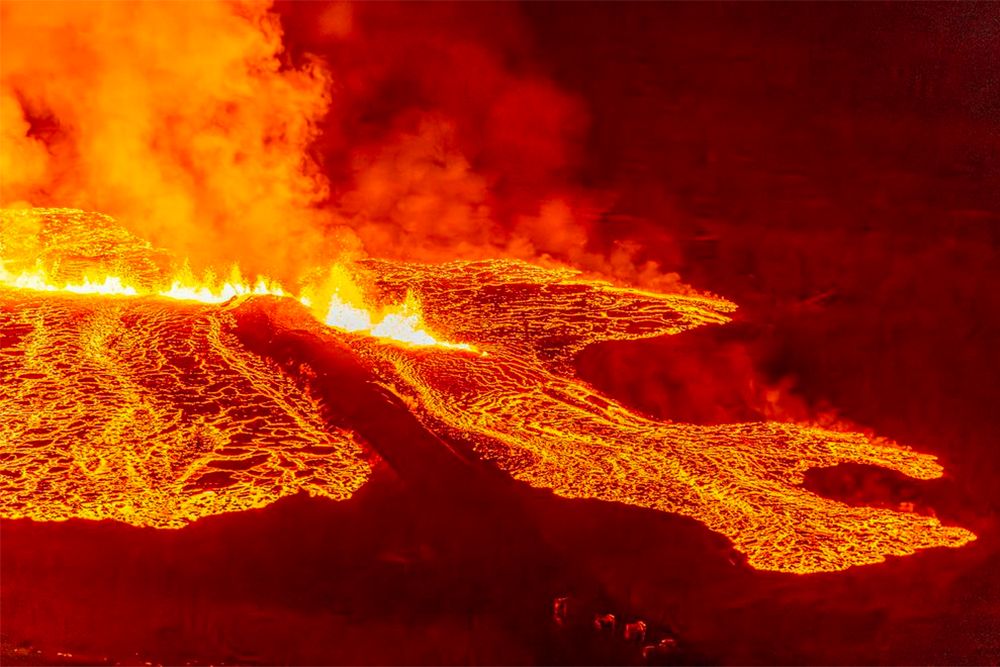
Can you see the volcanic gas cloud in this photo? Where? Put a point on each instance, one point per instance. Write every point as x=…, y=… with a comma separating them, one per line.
x=137, y=387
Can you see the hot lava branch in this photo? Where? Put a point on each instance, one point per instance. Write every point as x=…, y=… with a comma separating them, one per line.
x=154, y=411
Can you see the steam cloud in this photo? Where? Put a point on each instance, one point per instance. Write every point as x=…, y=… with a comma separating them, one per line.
x=421, y=132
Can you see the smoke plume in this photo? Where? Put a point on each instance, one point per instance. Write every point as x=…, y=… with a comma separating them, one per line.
x=177, y=117
x=449, y=139
x=283, y=136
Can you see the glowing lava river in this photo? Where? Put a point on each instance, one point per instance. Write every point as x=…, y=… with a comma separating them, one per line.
x=134, y=392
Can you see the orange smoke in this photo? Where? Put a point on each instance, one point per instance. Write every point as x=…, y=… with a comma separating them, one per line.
x=179, y=118
x=449, y=140
x=419, y=132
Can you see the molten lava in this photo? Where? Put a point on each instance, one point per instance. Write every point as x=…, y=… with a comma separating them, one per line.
x=152, y=411
x=402, y=323
x=183, y=287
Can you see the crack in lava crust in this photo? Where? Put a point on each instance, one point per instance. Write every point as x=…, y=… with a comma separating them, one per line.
x=130, y=408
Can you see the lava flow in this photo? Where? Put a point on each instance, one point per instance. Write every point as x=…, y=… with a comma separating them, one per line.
x=155, y=412
x=128, y=267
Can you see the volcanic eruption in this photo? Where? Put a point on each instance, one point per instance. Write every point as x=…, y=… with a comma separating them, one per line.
x=202, y=316
x=145, y=406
